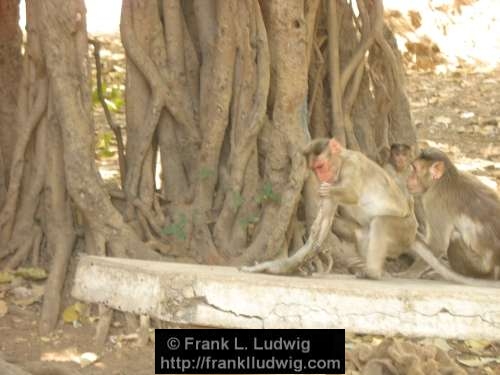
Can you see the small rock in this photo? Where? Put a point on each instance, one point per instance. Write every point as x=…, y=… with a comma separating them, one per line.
x=489, y=130
x=466, y=115
x=443, y=120
x=88, y=358
x=489, y=121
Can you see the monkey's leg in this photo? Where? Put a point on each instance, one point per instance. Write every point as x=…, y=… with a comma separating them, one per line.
x=419, y=213
x=375, y=250
x=362, y=240
x=468, y=262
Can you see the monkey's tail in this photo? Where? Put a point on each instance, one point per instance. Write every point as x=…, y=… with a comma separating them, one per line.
x=428, y=256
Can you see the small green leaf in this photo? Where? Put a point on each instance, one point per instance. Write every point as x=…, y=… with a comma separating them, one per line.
x=238, y=200
x=176, y=229
x=247, y=220
x=206, y=173
x=268, y=189
x=268, y=194
x=119, y=103
x=275, y=197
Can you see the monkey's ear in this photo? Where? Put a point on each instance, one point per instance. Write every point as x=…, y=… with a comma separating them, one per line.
x=335, y=146
x=437, y=170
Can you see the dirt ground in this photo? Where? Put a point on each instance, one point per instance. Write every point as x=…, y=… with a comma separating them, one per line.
x=457, y=111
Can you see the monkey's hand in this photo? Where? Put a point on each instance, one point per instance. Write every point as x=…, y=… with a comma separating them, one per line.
x=369, y=273
x=325, y=189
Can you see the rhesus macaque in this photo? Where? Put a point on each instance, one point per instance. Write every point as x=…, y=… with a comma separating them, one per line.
x=387, y=224
x=462, y=215
x=399, y=168
x=398, y=165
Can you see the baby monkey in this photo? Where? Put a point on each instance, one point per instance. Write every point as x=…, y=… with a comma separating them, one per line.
x=399, y=164
x=399, y=168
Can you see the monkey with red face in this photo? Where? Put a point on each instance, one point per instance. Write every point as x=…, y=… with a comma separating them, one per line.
x=385, y=222
x=462, y=215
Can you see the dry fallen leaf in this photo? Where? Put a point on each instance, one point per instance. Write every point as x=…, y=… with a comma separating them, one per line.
x=6, y=277
x=477, y=345
x=438, y=342
x=477, y=361
x=73, y=312
x=443, y=120
x=27, y=296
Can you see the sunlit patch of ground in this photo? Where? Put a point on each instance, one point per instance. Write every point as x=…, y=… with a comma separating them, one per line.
x=466, y=32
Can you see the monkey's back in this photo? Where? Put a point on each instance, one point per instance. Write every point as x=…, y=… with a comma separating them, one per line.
x=379, y=193
x=473, y=207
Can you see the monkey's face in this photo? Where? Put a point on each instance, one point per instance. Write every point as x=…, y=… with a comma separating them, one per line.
x=324, y=158
x=419, y=179
x=400, y=159
x=322, y=167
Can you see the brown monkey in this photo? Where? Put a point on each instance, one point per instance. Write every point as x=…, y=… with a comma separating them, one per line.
x=398, y=165
x=399, y=168
x=387, y=225
x=462, y=215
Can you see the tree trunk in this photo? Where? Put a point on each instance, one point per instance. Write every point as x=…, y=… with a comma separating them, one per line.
x=226, y=92
x=10, y=70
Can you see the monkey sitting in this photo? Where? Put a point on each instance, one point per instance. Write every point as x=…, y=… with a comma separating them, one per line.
x=462, y=215
x=398, y=165
x=387, y=224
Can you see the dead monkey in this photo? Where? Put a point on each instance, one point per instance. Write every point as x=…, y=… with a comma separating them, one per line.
x=387, y=225
x=462, y=215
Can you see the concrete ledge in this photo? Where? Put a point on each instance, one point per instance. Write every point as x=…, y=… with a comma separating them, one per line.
x=225, y=297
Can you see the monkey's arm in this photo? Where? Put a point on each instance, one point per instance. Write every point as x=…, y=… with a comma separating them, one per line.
x=346, y=191
x=344, y=195
x=438, y=236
